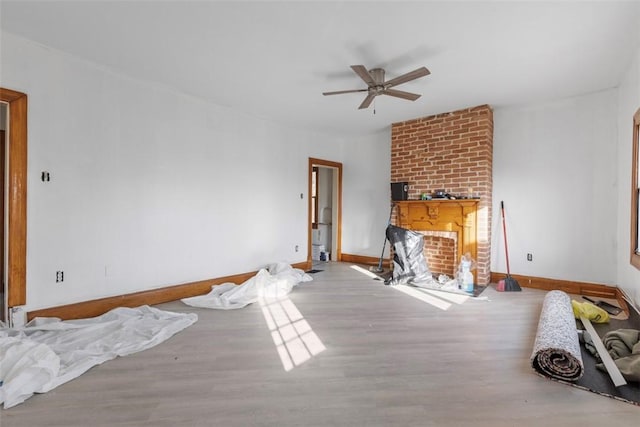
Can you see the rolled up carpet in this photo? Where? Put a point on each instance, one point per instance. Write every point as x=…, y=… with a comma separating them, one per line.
x=556, y=351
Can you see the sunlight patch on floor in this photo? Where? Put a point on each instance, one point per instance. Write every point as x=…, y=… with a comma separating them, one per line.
x=449, y=296
x=292, y=335
x=365, y=272
x=422, y=296
x=439, y=299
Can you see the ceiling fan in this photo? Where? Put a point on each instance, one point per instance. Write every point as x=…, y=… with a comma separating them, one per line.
x=378, y=86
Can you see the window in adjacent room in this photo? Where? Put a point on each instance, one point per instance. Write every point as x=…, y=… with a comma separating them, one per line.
x=635, y=196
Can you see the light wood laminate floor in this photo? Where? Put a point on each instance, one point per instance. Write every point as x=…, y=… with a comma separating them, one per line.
x=388, y=360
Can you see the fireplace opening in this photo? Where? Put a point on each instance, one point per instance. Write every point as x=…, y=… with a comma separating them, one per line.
x=440, y=249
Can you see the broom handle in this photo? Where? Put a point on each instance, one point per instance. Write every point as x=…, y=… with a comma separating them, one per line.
x=384, y=244
x=504, y=233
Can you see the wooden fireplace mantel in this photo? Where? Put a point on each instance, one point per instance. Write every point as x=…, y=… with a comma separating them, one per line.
x=457, y=216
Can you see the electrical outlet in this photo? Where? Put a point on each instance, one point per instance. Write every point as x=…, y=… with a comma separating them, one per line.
x=59, y=276
x=529, y=257
x=297, y=248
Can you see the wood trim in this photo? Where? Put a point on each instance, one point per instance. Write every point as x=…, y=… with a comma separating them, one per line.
x=622, y=301
x=366, y=260
x=17, y=198
x=634, y=257
x=100, y=306
x=568, y=286
x=626, y=303
x=314, y=206
x=309, y=208
x=3, y=240
x=336, y=165
x=305, y=265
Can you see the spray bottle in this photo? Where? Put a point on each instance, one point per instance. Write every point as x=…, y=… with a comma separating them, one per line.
x=465, y=275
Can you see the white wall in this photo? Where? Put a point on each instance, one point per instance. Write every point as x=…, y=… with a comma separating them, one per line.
x=628, y=104
x=150, y=187
x=367, y=177
x=555, y=168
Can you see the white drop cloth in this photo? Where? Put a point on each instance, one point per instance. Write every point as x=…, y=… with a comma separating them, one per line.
x=49, y=352
x=275, y=281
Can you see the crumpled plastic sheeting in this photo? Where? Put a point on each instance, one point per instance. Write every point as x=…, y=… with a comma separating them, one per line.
x=49, y=352
x=26, y=366
x=409, y=263
x=276, y=281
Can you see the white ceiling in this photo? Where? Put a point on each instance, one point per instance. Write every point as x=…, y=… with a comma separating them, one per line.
x=274, y=59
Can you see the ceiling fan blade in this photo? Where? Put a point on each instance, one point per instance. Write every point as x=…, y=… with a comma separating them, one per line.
x=338, y=92
x=361, y=71
x=401, y=94
x=412, y=75
x=367, y=101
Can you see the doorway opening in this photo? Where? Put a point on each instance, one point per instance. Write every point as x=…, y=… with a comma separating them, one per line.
x=14, y=221
x=325, y=211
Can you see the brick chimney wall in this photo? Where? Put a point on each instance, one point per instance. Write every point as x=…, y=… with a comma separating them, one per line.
x=451, y=151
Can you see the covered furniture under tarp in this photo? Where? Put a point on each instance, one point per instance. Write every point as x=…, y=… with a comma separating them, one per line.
x=409, y=264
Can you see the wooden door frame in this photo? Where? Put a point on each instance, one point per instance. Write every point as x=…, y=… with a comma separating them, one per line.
x=17, y=197
x=3, y=240
x=338, y=166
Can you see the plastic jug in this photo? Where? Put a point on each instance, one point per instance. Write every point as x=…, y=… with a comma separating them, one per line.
x=467, y=276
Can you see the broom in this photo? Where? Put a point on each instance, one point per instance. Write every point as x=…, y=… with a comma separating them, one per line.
x=508, y=284
x=379, y=268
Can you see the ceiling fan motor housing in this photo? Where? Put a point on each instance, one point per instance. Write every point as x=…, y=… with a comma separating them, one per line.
x=377, y=74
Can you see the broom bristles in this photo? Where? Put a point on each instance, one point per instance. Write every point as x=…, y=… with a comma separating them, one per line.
x=511, y=285
x=508, y=284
